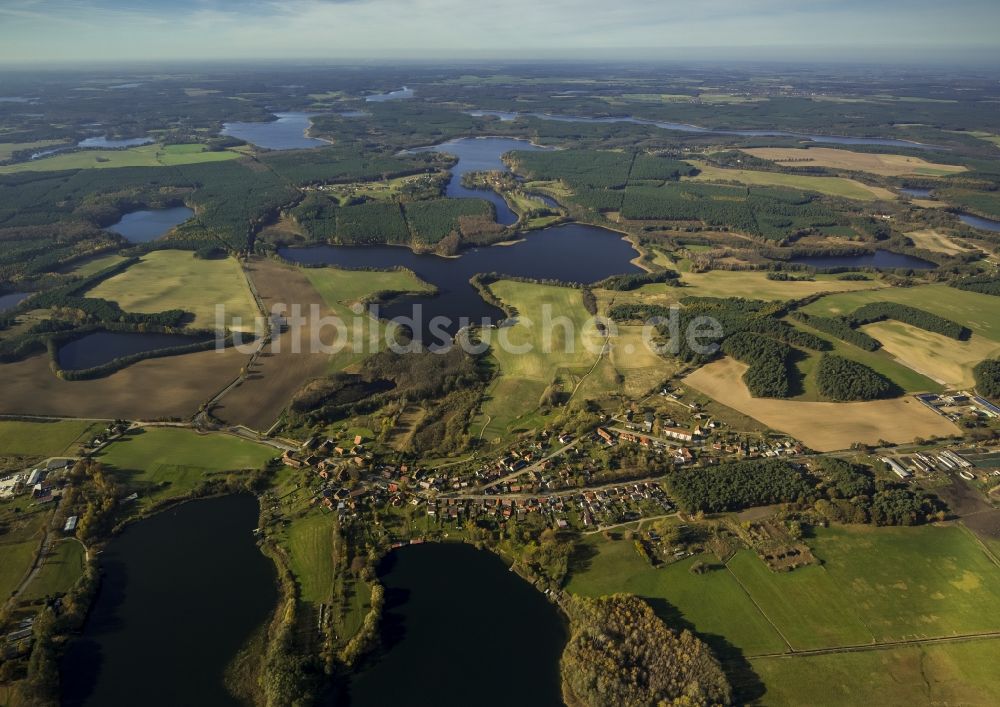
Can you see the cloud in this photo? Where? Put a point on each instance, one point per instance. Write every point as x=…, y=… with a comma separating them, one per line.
x=155, y=29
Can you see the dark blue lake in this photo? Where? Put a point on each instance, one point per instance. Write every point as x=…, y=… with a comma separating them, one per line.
x=882, y=259
x=105, y=346
x=12, y=299
x=288, y=132
x=570, y=253
x=457, y=624
x=916, y=193
x=687, y=128
x=150, y=224
x=181, y=593
x=481, y=154
x=985, y=224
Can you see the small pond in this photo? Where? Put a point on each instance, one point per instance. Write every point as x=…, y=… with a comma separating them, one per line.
x=399, y=95
x=12, y=299
x=882, y=259
x=984, y=224
x=103, y=347
x=106, y=143
x=150, y=224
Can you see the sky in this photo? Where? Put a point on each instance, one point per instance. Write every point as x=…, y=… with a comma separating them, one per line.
x=150, y=30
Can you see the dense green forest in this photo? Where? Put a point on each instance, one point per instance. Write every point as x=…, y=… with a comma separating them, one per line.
x=733, y=486
x=621, y=653
x=841, y=328
x=987, y=374
x=842, y=379
x=880, y=311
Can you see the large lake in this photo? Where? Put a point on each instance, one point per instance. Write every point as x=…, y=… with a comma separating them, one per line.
x=481, y=155
x=180, y=595
x=459, y=629
x=104, y=347
x=882, y=259
x=570, y=253
x=687, y=128
x=150, y=224
x=288, y=132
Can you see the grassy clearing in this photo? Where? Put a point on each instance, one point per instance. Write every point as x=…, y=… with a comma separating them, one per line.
x=91, y=266
x=941, y=358
x=882, y=361
x=831, y=186
x=713, y=603
x=929, y=239
x=570, y=350
x=341, y=290
x=17, y=559
x=143, y=156
x=884, y=165
x=310, y=547
x=166, y=462
x=977, y=311
x=175, y=279
x=949, y=674
x=823, y=426
x=43, y=439
x=7, y=149
x=725, y=283
x=59, y=572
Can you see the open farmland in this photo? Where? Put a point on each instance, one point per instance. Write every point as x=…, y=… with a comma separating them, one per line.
x=978, y=312
x=884, y=165
x=175, y=279
x=7, y=149
x=831, y=186
x=143, y=156
x=820, y=425
x=283, y=368
x=930, y=239
x=755, y=285
x=154, y=389
x=941, y=358
x=167, y=462
x=61, y=568
x=43, y=439
x=937, y=674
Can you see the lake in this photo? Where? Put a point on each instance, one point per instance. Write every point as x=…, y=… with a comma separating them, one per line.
x=570, y=253
x=180, y=595
x=288, y=132
x=104, y=143
x=916, y=193
x=687, y=128
x=459, y=629
x=103, y=347
x=882, y=259
x=12, y=299
x=985, y=224
x=399, y=95
x=481, y=154
x=150, y=224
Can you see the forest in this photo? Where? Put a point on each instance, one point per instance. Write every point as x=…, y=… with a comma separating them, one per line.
x=842, y=379
x=841, y=328
x=987, y=374
x=621, y=653
x=880, y=311
x=733, y=486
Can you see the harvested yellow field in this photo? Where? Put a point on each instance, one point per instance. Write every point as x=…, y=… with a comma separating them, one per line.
x=929, y=239
x=832, y=186
x=938, y=357
x=640, y=368
x=885, y=165
x=175, y=279
x=824, y=427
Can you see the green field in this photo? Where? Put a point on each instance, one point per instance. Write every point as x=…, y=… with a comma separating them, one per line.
x=92, y=266
x=881, y=361
x=531, y=355
x=977, y=311
x=175, y=279
x=342, y=289
x=831, y=186
x=938, y=674
x=755, y=285
x=167, y=462
x=7, y=149
x=59, y=572
x=43, y=439
x=310, y=548
x=143, y=156
x=15, y=562
x=714, y=603
x=872, y=585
